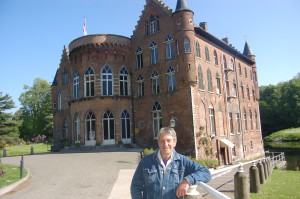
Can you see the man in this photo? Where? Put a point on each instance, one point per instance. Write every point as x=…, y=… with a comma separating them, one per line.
x=166, y=174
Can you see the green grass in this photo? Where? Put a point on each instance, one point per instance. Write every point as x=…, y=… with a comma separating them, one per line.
x=286, y=135
x=26, y=149
x=280, y=185
x=12, y=174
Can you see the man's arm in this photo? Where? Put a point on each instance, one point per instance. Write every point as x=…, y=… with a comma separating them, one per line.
x=137, y=183
x=196, y=173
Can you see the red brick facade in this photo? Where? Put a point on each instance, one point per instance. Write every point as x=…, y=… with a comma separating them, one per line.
x=111, y=88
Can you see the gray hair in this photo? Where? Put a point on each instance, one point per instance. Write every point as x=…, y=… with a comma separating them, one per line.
x=167, y=130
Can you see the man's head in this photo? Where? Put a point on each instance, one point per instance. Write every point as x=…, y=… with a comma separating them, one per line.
x=166, y=141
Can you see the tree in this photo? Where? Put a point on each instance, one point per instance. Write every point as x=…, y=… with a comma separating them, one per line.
x=9, y=133
x=36, y=110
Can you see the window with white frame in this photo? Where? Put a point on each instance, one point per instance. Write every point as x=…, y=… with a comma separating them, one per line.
x=90, y=122
x=207, y=57
x=155, y=83
x=216, y=58
x=187, y=45
x=157, y=118
x=89, y=82
x=219, y=91
x=124, y=82
x=154, y=53
x=154, y=25
x=107, y=81
x=125, y=120
x=169, y=47
x=76, y=85
x=198, y=51
x=231, y=64
x=139, y=57
x=171, y=79
x=140, y=85
x=108, y=126
x=212, y=120
x=201, y=79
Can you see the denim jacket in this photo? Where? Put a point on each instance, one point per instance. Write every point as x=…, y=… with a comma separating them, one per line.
x=152, y=180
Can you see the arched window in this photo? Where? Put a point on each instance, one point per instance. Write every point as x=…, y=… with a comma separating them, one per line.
x=187, y=46
x=250, y=118
x=59, y=100
x=209, y=81
x=201, y=79
x=140, y=83
x=224, y=62
x=219, y=91
x=248, y=93
x=253, y=94
x=211, y=114
x=246, y=75
x=125, y=120
x=231, y=64
x=139, y=57
x=109, y=127
x=240, y=69
x=89, y=82
x=157, y=118
x=107, y=81
x=254, y=76
x=76, y=85
x=171, y=79
x=251, y=74
x=245, y=120
x=169, y=47
x=216, y=58
x=77, y=127
x=154, y=25
x=256, y=120
x=90, y=122
x=154, y=53
x=242, y=91
x=237, y=119
x=155, y=83
x=207, y=54
x=233, y=91
x=124, y=82
x=198, y=51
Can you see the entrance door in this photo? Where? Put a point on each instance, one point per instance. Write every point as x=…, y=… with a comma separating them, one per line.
x=90, y=137
x=223, y=156
x=108, y=128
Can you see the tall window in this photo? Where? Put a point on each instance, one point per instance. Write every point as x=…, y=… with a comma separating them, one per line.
x=169, y=47
x=171, y=79
x=107, y=81
x=201, y=79
x=125, y=120
x=207, y=54
x=76, y=85
x=231, y=64
x=157, y=118
x=65, y=129
x=139, y=57
x=237, y=119
x=154, y=25
x=59, y=100
x=209, y=81
x=212, y=120
x=109, y=126
x=216, y=58
x=242, y=91
x=253, y=94
x=140, y=83
x=224, y=62
x=233, y=91
x=245, y=120
x=218, y=84
x=77, y=127
x=154, y=53
x=89, y=82
x=230, y=123
x=155, y=83
x=146, y=28
x=256, y=120
x=65, y=77
x=198, y=52
x=240, y=69
x=246, y=75
x=90, y=126
x=227, y=85
x=124, y=82
x=187, y=46
x=250, y=74
x=248, y=93
x=251, y=121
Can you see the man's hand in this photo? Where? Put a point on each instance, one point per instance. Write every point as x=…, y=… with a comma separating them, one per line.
x=182, y=188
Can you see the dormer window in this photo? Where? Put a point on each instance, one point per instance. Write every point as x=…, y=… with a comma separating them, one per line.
x=153, y=26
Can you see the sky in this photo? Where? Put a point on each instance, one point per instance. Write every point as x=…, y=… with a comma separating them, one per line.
x=34, y=32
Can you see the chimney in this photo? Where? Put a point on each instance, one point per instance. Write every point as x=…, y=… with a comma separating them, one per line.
x=226, y=40
x=204, y=26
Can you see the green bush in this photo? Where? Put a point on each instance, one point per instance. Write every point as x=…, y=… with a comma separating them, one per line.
x=147, y=151
x=286, y=135
x=207, y=162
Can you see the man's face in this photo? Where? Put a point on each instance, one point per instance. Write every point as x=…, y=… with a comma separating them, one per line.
x=166, y=145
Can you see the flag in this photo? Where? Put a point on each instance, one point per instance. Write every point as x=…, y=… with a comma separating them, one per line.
x=84, y=27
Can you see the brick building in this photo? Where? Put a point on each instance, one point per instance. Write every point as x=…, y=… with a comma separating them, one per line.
x=110, y=89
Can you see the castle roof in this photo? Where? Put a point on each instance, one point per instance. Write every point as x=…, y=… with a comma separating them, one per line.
x=247, y=51
x=182, y=6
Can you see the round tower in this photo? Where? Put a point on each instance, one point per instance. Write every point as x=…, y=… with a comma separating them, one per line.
x=183, y=23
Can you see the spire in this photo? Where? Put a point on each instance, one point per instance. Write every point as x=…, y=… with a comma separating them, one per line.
x=247, y=51
x=182, y=6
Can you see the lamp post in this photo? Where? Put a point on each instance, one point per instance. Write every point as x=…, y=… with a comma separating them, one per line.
x=173, y=122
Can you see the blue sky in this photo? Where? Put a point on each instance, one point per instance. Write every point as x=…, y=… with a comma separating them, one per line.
x=33, y=33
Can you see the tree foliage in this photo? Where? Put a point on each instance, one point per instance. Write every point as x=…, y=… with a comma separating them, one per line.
x=8, y=122
x=36, y=110
x=280, y=106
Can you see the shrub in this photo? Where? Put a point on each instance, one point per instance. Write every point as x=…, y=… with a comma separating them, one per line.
x=147, y=151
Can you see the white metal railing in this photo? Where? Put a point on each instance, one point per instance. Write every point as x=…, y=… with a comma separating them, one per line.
x=275, y=159
x=213, y=191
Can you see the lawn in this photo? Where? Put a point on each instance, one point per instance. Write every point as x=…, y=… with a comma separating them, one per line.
x=286, y=135
x=12, y=174
x=280, y=185
x=26, y=149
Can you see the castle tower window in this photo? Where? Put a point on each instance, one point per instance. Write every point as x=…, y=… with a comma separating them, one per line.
x=125, y=120
x=77, y=127
x=155, y=83
x=59, y=100
x=169, y=47
x=154, y=53
x=109, y=127
x=198, y=54
x=140, y=83
x=216, y=58
x=211, y=113
x=250, y=118
x=219, y=92
x=245, y=121
x=187, y=46
x=107, y=81
x=157, y=118
x=76, y=85
x=201, y=79
x=90, y=122
x=209, y=81
x=207, y=57
x=124, y=82
x=171, y=79
x=89, y=82
x=139, y=57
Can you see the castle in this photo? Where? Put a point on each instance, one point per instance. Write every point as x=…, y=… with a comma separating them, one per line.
x=111, y=89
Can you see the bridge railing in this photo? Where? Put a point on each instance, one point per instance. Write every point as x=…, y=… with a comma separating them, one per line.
x=275, y=157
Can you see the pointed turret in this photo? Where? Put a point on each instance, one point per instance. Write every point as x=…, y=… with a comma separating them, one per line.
x=182, y=6
x=247, y=51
